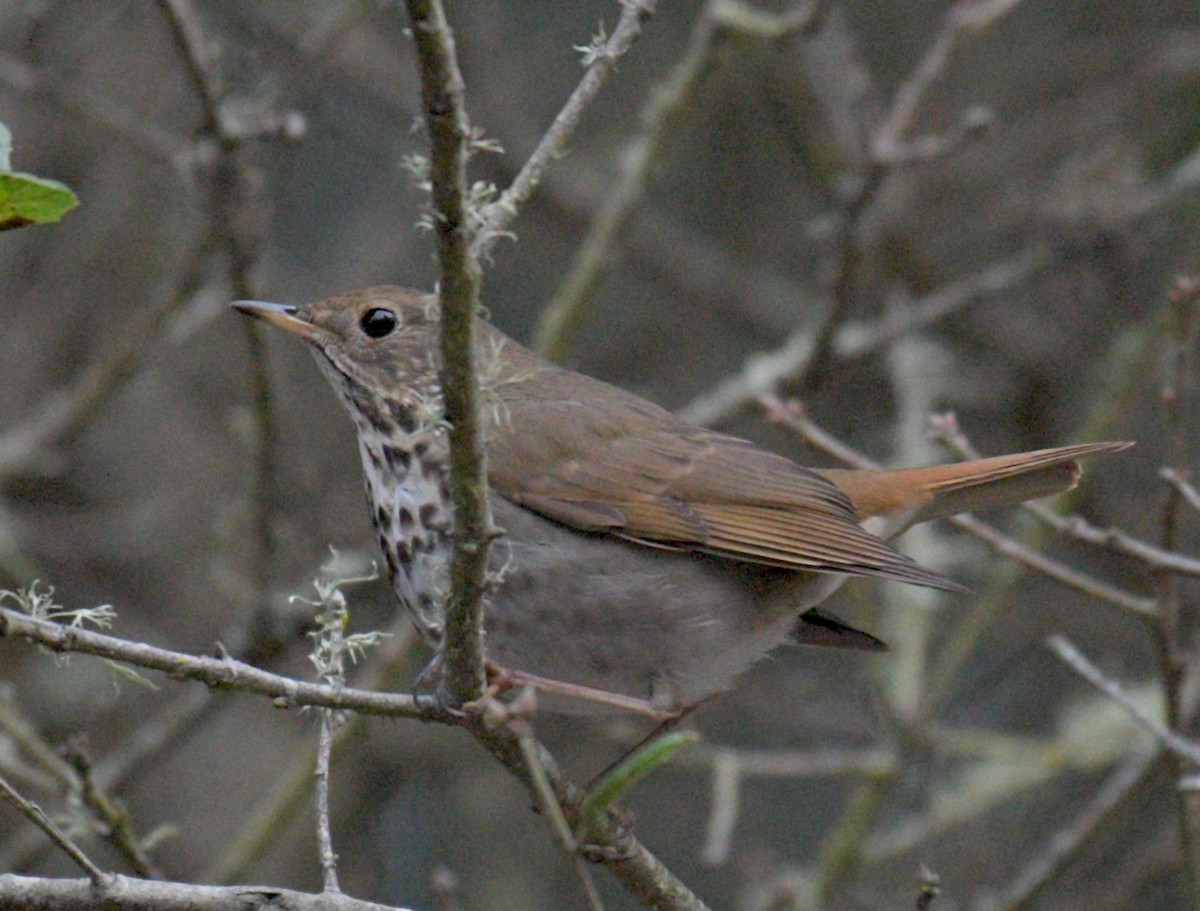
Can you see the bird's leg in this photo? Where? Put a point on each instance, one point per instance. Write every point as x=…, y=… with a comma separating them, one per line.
x=506, y=679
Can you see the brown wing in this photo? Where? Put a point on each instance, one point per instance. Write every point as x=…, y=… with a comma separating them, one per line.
x=600, y=459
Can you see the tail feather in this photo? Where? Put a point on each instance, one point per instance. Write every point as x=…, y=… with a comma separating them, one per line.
x=938, y=491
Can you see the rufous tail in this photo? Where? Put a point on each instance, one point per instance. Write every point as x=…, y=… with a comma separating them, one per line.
x=946, y=490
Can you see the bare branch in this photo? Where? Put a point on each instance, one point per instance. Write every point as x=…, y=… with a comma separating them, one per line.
x=126, y=894
x=34, y=814
x=611, y=843
x=965, y=19
x=238, y=219
x=886, y=152
x=220, y=673
x=1078, y=662
x=552, y=145
x=449, y=131
x=762, y=373
x=548, y=803
x=668, y=104
x=325, y=853
x=77, y=779
x=1187, y=490
x=1065, y=844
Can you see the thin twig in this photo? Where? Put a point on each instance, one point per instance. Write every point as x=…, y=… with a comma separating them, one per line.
x=1078, y=662
x=325, y=852
x=725, y=809
x=642, y=874
x=220, y=673
x=449, y=132
x=886, y=151
x=236, y=213
x=669, y=102
x=75, y=777
x=119, y=823
x=544, y=794
x=964, y=19
x=1066, y=844
x=1120, y=542
x=1178, y=399
x=1142, y=608
x=34, y=814
x=844, y=849
x=555, y=327
x=62, y=414
x=552, y=145
x=274, y=812
x=330, y=650
x=1187, y=491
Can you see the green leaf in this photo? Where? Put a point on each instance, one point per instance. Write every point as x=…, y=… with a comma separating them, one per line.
x=28, y=200
x=632, y=769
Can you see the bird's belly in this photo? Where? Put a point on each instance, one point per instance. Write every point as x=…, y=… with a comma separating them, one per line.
x=652, y=624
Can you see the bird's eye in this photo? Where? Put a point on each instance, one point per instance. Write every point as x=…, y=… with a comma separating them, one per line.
x=378, y=322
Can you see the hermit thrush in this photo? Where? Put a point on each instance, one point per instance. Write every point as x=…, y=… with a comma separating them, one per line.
x=646, y=561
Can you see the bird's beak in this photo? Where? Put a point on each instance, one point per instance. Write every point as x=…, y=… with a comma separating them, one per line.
x=281, y=316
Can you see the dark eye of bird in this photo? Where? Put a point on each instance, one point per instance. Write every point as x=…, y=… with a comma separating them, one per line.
x=378, y=322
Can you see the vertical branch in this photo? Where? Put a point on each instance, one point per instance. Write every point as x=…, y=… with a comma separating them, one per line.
x=449, y=130
x=238, y=224
x=888, y=150
x=325, y=852
x=1178, y=395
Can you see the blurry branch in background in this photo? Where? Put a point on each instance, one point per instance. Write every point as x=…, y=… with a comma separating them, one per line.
x=1048, y=862
x=729, y=768
x=601, y=61
x=804, y=359
x=1178, y=681
x=274, y=813
x=764, y=372
x=1078, y=662
x=888, y=149
x=230, y=189
x=238, y=218
x=232, y=197
x=1178, y=669
x=669, y=104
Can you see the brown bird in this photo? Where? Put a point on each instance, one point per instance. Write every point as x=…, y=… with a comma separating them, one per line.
x=647, y=561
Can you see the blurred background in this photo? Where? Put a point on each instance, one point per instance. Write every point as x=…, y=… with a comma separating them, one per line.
x=1009, y=261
